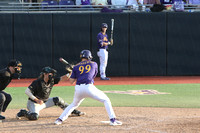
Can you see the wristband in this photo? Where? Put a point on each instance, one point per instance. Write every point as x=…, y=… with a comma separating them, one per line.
x=108, y=43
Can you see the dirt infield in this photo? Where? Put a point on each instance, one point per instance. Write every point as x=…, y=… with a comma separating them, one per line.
x=135, y=119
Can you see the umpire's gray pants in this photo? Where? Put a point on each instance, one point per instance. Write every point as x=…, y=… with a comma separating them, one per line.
x=35, y=107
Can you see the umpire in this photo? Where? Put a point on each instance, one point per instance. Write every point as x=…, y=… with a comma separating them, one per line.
x=6, y=75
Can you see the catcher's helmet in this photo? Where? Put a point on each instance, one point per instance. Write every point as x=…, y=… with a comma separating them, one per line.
x=49, y=70
x=86, y=54
x=104, y=25
x=17, y=64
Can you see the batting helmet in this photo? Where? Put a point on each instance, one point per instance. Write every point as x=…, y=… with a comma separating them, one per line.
x=86, y=54
x=49, y=70
x=17, y=64
x=104, y=25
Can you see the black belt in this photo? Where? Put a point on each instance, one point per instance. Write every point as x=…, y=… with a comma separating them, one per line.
x=104, y=48
x=35, y=101
x=83, y=83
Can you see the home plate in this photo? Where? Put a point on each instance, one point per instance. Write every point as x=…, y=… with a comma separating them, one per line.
x=106, y=122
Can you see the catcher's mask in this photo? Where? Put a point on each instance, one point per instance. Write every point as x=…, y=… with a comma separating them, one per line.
x=49, y=70
x=16, y=64
x=86, y=54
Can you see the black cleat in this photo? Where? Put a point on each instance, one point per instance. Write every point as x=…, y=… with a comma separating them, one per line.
x=81, y=114
x=77, y=113
x=21, y=113
x=2, y=117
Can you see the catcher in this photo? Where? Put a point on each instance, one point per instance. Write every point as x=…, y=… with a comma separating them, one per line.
x=38, y=93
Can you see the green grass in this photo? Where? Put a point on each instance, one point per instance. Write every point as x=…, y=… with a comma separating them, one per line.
x=181, y=96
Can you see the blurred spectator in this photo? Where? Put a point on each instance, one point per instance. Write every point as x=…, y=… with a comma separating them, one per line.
x=106, y=9
x=196, y=2
x=66, y=2
x=150, y=2
x=132, y=2
x=50, y=4
x=33, y=2
x=109, y=2
x=83, y=2
x=178, y=6
x=78, y=2
x=99, y=2
x=119, y=3
x=167, y=1
x=157, y=8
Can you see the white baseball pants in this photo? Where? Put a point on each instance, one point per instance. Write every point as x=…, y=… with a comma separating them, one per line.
x=103, y=58
x=83, y=91
x=36, y=108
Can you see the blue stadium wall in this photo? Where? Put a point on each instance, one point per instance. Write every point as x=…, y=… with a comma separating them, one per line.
x=145, y=44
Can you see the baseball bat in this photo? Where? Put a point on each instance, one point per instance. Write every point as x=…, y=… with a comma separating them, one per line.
x=112, y=28
x=65, y=62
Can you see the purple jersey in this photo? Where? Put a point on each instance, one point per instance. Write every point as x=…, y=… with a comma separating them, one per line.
x=85, y=2
x=102, y=38
x=85, y=72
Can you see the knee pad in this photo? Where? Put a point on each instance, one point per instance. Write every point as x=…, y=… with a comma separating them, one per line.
x=2, y=98
x=9, y=98
x=33, y=116
x=59, y=102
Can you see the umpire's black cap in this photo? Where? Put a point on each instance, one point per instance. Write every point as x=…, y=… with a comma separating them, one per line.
x=15, y=63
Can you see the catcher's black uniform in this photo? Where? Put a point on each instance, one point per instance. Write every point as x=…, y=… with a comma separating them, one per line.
x=5, y=98
x=41, y=89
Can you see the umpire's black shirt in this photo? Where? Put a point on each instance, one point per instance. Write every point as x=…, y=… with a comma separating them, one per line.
x=5, y=78
x=41, y=89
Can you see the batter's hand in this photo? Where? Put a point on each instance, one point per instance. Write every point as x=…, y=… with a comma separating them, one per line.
x=69, y=69
x=111, y=42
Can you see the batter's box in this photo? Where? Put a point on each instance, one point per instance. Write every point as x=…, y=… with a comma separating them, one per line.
x=138, y=92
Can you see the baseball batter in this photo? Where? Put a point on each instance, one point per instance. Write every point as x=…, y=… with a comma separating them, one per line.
x=6, y=76
x=103, y=43
x=83, y=74
x=38, y=93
